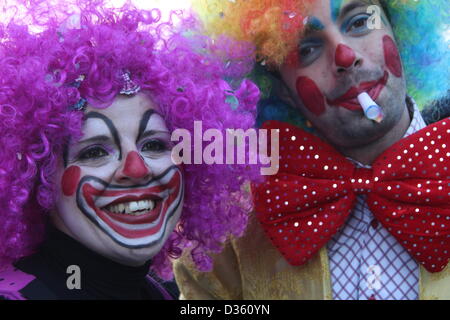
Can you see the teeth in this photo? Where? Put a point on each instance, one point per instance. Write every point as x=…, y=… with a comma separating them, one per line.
x=133, y=207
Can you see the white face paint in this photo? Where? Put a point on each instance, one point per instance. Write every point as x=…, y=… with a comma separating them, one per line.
x=121, y=194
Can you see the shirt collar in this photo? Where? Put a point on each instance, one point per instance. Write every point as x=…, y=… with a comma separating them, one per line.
x=417, y=123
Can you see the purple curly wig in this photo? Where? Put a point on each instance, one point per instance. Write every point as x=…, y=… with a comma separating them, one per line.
x=180, y=70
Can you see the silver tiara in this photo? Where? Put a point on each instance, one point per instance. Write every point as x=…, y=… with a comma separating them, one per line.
x=129, y=88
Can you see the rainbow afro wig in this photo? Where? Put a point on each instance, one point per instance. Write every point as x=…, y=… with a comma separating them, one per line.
x=421, y=28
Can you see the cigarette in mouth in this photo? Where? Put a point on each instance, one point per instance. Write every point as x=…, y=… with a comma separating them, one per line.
x=371, y=110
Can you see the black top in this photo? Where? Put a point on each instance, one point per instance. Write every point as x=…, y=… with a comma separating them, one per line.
x=100, y=277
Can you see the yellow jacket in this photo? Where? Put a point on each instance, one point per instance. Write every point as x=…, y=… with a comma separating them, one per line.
x=250, y=267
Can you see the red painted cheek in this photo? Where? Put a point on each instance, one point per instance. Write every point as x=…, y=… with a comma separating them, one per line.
x=134, y=166
x=344, y=56
x=310, y=95
x=392, y=57
x=70, y=180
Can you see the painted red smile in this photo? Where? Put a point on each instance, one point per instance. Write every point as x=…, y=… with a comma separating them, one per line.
x=349, y=99
x=148, y=217
x=129, y=225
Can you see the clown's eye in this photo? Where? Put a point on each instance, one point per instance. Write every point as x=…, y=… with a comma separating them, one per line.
x=94, y=152
x=309, y=50
x=155, y=145
x=304, y=52
x=357, y=24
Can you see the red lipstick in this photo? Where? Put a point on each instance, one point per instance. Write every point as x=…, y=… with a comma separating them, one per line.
x=349, y=99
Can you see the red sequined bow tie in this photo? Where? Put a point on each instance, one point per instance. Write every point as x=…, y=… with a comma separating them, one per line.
x=315, y=189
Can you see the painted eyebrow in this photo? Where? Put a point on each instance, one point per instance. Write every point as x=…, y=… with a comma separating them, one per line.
x=144, y=121
x=110, y=126
x=150, y=133
x=100, y=138
x=351, y=6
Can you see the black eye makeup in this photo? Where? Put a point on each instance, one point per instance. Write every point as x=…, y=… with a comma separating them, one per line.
x=155, y=145
x=111, y=127
x=155, y=142
x=92, y=149
x=94, y=152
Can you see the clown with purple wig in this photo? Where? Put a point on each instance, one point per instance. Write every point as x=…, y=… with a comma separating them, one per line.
x=92, y=204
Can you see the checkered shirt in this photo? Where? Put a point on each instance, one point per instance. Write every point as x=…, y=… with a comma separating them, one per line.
x=366, y=261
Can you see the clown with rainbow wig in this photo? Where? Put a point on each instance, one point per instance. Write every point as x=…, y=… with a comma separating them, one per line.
x=93, y=206
x=359, y=209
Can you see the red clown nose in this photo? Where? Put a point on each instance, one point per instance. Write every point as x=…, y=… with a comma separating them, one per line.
x=135, y=166
x=344, y=56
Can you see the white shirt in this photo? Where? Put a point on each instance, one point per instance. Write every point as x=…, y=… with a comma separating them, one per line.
x=366, y=261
